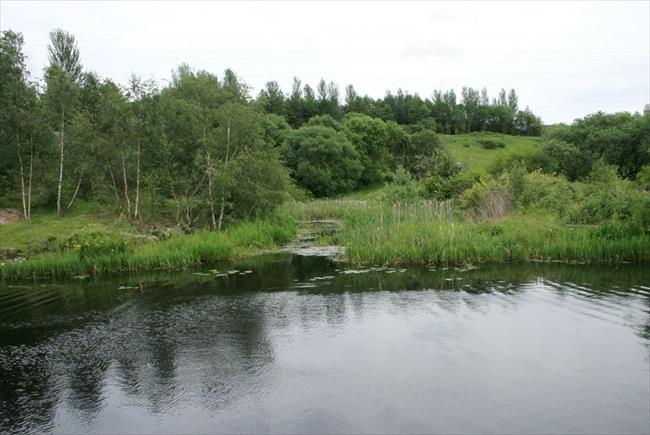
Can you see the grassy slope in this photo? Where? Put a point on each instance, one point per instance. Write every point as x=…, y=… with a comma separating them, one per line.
x=465, y=149
x=35, y=233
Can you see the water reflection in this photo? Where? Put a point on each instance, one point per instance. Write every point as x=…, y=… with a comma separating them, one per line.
x=303, y=344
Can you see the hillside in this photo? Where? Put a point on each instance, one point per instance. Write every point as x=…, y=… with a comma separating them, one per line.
x=466, y=149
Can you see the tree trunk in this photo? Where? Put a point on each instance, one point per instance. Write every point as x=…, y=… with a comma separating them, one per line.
x=31, y=172
x=61, y=154
x=136, y=213
x=223, y=197
x=117, y=195
x=178, y=207
x=74, y=195
x=126, y=188
x=208, y=173
x=22, y=177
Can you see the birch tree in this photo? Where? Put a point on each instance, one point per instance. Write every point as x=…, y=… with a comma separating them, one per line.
x=62, y=81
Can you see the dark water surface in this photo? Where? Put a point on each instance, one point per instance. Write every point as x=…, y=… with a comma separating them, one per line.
x=303, y=344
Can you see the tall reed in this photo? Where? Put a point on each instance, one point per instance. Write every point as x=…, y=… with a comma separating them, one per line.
x=178, y=252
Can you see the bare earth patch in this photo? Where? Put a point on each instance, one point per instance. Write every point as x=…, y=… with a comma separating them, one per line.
x=10, y=215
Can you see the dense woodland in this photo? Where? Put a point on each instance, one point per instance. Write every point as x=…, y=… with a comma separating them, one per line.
x=203, y=151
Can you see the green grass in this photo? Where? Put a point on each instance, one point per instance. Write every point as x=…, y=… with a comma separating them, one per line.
x=42, y=229
x=177, y=252
x=432, y=233
x=466, y=149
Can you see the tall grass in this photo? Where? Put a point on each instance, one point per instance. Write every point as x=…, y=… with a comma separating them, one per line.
x=428, y=232
x=178, y=252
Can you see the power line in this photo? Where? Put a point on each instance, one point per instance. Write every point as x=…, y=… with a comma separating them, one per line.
x=350, y=60
x=365, y=52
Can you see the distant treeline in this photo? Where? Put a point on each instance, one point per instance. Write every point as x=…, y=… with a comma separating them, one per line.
x=444, y=112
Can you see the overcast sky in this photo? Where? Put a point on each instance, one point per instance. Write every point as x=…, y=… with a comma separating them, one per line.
x=564, y=59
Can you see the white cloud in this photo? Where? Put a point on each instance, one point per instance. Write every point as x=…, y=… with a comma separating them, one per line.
x=566, y=59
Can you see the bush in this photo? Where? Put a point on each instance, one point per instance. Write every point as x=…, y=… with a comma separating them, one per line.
x=403, y=187
x=438, y=187
x=370, y=138
x=559, y=157
x=488, y=199
x=490, y=144
x=260, y=183
x=322, y=160
x=547, y=192
x=643, y=178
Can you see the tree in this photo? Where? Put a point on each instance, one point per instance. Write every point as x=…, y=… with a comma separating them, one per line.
x=19, y=118
x=259, y=183
x=527, y=124
x=142, y=93
x=425, y=156
x=272, y=99
x=622, y=139
x=275, y=130
x=322, y=160
x=471, y=103
x=62, y=77
x=325, y=121
x=369, y=137
x=559, y=157
x=295, y=105
x=310, y=104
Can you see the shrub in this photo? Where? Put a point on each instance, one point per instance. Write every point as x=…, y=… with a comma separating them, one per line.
x=491, y=198
x=439, y=187
x=547, y=192
x=559, y=157
x=322, y=160
x=643, y=178
x=260, y=183
x=402, y=188
x=369, y=137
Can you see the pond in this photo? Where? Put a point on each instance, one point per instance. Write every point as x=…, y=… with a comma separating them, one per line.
x=289, y=343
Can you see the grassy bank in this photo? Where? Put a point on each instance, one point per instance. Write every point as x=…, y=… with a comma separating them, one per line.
x=111, y=253
x=428, y=232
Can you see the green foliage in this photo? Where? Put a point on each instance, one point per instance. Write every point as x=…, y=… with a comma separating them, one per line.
x=643, y=178
x=559, y=157
x=423, y=155
x=322, y=160
x=547, y=193
x=325, y=121
x=488, y=199
x=402, y=188
x=490, y=144
x=260, y=183
x=99, y=248
x=426, y=232
x=369, y=137
x=177, y=252
x=448, y=187
x=621, y=139
x=275, y=129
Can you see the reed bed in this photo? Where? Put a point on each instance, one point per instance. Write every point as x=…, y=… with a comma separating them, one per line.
x=431, y=232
